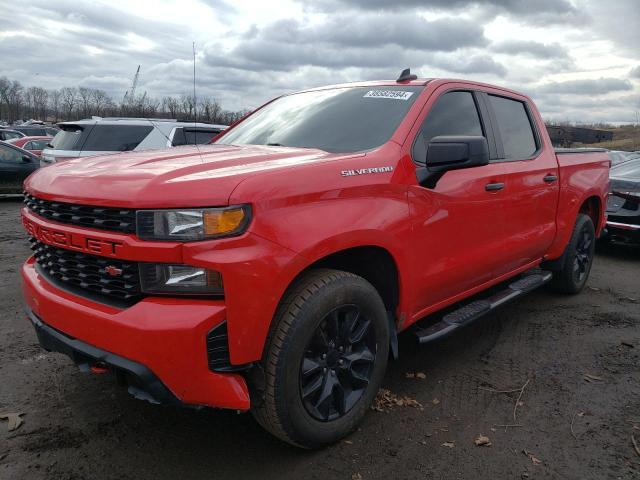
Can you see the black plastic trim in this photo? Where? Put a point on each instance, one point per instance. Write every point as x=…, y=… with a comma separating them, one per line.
x=141, y=381
x=218, y=355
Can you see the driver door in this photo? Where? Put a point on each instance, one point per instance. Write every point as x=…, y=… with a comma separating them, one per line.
x=458, y=225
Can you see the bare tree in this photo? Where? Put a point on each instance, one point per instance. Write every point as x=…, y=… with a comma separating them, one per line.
x=54, y=104
x=11, y=93
x=68, y=97
x=84, y=101
x=209, y=110
x=39, y=97
x=100, y=100
x=71, y=103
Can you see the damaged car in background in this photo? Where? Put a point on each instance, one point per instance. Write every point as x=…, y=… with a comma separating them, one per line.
x=623, y=206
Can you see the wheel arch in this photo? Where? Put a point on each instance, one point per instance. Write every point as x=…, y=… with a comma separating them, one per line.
x=592, y=206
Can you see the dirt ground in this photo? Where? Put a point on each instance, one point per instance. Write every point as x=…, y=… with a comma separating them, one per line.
x=580, y=356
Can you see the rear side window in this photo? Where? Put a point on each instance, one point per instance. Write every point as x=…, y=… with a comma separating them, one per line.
x=199, y=136
x=100, y=138
x=454, y=113
x=186, y=136
x=115, y=138
x=515, y=128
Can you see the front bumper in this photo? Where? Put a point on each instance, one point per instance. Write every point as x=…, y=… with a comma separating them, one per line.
x=141, y=382
x=626, y=232
x=161, y=342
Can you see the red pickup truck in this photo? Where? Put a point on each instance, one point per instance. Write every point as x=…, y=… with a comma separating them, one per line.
x=272, y=270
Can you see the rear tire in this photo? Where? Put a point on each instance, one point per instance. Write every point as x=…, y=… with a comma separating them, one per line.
x=324, y=360
x=578, y=258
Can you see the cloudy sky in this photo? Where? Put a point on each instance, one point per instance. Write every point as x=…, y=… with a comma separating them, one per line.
x=578, y=59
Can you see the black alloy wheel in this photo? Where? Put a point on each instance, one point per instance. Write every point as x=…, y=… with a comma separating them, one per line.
x=337, y=365
x=583, y=256
x=577, y=258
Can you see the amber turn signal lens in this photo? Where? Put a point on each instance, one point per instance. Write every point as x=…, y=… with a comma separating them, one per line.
x=219, y=222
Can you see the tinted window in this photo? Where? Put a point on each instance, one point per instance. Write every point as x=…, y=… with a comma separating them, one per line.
x=190, y=136
x=515, y=127
x=9, y=135
x=199, y=136
x=70, y=137
x=8, y=154
x=335, y=120
x=454, y=113
x=115, y=138
x=32, y=131
x=104, y=138
x=51, y=131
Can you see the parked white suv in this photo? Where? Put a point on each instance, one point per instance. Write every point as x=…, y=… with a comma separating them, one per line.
x=98, y=136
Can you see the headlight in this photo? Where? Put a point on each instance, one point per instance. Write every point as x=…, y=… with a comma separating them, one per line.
x=193, y=224
x=159, y=278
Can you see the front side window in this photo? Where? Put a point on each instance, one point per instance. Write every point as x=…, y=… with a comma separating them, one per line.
x=454, y=113
x=515, y=128
x=337, y=120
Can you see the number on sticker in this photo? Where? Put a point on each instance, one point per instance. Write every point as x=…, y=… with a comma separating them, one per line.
x=393, y=94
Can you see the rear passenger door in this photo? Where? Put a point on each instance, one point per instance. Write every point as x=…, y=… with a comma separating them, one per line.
x=458, y=224
x=531, y=182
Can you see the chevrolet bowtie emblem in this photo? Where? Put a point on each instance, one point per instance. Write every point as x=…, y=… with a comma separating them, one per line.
x=113, y=271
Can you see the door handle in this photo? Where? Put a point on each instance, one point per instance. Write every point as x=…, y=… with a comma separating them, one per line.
x=494, y=187
x=550, y=178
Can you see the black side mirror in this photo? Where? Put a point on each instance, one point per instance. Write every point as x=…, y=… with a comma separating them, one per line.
x=26, y=159
x=446, y=153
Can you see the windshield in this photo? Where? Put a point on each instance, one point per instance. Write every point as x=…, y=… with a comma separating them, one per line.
x=340, y=120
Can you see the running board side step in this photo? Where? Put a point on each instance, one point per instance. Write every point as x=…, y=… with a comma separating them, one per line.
x=474, y=310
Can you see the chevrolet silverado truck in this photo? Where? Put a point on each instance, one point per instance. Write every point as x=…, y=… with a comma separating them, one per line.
x=272, y=270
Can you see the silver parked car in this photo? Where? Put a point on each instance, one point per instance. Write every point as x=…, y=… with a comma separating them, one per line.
x=99, y=136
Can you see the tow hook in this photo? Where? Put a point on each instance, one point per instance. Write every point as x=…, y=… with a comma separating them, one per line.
x=99, y=368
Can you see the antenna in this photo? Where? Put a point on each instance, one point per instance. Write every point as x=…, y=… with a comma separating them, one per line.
x=195, y=104
x=406, y=75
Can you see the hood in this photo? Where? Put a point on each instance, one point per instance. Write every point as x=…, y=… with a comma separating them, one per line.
x=178, y=177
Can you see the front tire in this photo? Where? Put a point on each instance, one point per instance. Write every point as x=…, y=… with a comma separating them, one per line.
x=324, y=360
x=578, y=258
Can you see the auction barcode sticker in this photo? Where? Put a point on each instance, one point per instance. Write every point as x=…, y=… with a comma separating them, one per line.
x=394, y=94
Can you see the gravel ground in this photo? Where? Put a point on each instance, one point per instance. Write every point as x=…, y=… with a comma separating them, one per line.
x=580, y=356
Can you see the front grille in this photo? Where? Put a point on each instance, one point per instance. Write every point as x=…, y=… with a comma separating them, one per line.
x=86, y=275
x=103, y=218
